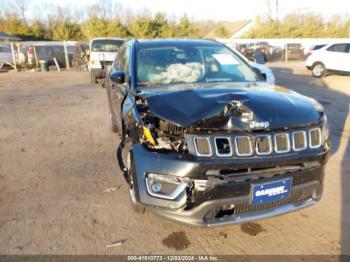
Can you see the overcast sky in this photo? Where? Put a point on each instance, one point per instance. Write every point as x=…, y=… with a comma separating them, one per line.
x=229, y=10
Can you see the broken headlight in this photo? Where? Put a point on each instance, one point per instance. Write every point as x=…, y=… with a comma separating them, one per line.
x=165, y=186
x=161, y=135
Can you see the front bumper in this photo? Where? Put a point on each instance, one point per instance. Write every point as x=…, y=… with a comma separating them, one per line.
x=196, y=216
x=306, y=189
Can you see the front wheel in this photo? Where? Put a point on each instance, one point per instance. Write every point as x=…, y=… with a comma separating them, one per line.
x=130, y=166
x=318, y=70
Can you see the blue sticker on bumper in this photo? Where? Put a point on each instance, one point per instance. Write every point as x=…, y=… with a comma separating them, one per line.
x=272, y=191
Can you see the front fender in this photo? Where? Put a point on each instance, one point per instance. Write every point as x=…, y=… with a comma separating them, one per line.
x=131, y=119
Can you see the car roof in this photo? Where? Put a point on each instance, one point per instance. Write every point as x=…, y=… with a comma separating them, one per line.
x=339, y=42
x=326, y=46
x=171, y=42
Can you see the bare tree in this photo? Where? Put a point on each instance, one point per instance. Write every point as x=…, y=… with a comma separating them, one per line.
x=272, y=14
x=269, y=10
x=20, y=7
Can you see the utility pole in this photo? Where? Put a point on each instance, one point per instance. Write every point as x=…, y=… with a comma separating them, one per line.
x=66, y=54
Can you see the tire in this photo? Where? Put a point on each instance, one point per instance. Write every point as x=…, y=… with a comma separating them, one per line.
x=318, y=70
x=130, y=165
x=93, y=78
x=114, y=127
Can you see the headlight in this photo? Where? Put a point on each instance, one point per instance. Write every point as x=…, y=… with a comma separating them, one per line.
x=165, y=186
x=95, y=62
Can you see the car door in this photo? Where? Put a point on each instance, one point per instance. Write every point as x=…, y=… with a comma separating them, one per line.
x=337, y=57
x=118, y=91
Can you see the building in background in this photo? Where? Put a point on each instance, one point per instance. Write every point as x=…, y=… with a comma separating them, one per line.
x=229, y=30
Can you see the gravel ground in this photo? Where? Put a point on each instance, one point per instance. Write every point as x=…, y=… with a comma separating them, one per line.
x=62, y=193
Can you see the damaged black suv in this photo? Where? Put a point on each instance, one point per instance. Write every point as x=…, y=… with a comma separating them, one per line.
x=205, y=141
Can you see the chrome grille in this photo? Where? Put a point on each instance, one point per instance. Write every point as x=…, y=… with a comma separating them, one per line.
x=263, y=145
x=223, y=146
x=243, y=146
x=230, y=145
x=282, y=144
x=202, y=145
x=299, y=140
x=315, y=137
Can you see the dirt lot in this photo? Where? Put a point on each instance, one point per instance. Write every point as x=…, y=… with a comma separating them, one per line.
x=62, y=193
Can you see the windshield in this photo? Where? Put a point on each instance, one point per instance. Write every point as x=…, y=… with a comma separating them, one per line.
x=106, y=45
x=191, y=64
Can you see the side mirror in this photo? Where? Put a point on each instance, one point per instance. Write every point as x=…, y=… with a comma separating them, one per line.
x=117, y=77
x=258, y=73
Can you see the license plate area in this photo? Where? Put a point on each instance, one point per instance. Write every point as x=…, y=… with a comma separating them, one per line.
x=271, y=191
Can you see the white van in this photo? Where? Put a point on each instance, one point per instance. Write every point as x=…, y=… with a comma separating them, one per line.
x=103, y=50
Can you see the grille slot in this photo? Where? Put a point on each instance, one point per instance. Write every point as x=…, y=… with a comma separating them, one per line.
x=282, y=143
x=244, y=208
x=223, y=146
x=315, y=138
x=263, y=145
x=299, y=140
x=202, y=145
x=243, y=146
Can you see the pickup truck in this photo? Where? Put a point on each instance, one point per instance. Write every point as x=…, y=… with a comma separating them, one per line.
x=102, y=52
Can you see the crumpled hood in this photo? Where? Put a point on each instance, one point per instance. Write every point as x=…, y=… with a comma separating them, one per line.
x=278, y=106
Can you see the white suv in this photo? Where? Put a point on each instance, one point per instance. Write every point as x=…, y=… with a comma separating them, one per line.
x=330, y=58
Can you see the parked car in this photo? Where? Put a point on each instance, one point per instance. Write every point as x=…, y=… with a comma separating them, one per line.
x=293, y=51
x=256, y=51
x=205, y=141
x=103, y=51
x=312, y=49
x=265, y=71
x=334, y=58
x=5, y=55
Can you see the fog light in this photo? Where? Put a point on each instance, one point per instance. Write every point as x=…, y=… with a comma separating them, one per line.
x=156, y=187
x=165, y=186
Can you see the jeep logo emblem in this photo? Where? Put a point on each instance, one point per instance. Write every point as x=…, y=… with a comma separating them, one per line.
x=255, y=124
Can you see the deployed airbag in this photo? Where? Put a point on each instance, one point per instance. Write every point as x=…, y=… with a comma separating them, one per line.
x=188, y=73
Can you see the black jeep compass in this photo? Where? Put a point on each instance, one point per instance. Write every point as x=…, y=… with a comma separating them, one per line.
x=205, y=141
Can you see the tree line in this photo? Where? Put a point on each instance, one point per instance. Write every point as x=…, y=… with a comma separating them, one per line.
x=301, y=25
x=62, y=25
x=106, y=19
